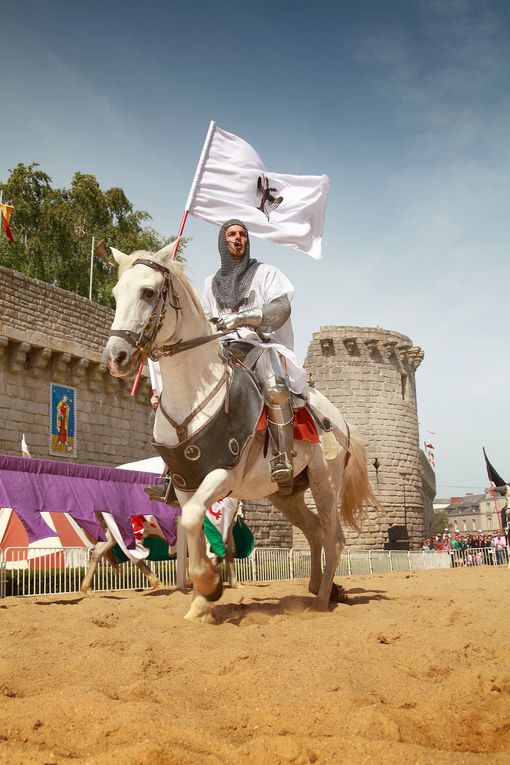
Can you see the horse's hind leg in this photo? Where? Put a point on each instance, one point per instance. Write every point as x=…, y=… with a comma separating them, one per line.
x=154, y=581
x=98, y=551
x=325, y=495
x=295, y=510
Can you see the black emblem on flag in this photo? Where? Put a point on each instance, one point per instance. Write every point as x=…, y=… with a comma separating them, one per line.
x=268, y=200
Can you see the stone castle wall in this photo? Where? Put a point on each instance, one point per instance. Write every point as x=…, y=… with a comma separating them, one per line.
x=50, y=335
x=369, y=374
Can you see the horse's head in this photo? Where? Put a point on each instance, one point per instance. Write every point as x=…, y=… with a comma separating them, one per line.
x=147, y=296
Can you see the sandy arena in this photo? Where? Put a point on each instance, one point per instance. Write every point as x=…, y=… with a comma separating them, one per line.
x=415, y=669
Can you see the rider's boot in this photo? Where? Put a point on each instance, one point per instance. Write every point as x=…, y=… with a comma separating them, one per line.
x=280, y=416
x=281, y=428
x=163, y=492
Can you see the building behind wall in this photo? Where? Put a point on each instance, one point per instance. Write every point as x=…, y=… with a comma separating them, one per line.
x=369, y=374
x=486, y=512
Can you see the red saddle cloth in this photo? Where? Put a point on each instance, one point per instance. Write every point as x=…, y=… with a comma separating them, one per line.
x=304, y=426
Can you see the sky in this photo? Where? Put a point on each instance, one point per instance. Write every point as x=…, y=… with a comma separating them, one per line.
x=404, y=104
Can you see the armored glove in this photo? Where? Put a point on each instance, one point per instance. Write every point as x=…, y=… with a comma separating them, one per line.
x=249, y=318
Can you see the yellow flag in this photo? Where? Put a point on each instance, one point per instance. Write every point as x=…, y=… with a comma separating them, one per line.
x=7, y=211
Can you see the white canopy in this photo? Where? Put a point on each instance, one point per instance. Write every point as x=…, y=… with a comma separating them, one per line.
x=151, y=465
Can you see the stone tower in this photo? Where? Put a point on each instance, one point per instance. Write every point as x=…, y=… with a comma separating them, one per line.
x=369, y=374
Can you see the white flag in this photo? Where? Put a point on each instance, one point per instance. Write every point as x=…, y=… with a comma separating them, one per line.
x=232, y=182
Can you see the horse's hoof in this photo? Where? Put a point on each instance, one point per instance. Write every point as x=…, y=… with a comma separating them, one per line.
x=215, y=594
x=338, y=594
x=200, y=611
x=319, y=606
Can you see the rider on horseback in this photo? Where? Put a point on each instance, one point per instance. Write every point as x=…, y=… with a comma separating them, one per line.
x=253, y=300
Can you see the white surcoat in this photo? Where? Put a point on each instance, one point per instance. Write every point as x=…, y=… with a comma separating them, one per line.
x=268, y=284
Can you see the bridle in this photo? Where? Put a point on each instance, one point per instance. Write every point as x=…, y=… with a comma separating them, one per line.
x=144, y=341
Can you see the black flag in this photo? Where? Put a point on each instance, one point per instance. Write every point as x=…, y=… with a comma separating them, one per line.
x=493, y=475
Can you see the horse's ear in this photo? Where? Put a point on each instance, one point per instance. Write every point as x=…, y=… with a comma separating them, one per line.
x=167, y=252
x=118, y=255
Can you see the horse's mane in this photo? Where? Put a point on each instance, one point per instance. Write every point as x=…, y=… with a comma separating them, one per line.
x=176, y=269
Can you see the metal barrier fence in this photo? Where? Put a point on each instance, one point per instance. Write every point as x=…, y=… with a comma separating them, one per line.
x=479, y=556
x=49, y=572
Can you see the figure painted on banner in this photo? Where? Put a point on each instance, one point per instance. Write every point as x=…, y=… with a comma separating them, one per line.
x=62, y=420
x=253, y=300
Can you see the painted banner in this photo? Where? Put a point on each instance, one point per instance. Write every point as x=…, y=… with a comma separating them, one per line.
x=63, y=440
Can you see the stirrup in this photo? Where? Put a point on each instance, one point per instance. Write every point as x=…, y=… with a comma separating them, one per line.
x=157, y=491
x=163, y=492
x=281, y=469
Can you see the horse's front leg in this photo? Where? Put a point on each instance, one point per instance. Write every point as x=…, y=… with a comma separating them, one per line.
x=206, y=578
x=230, y=558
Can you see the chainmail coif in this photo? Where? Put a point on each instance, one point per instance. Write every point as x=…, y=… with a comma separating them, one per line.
x=231, y=284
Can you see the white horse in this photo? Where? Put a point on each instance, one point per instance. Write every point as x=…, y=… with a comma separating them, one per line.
x=159, y=314
x=113, y=536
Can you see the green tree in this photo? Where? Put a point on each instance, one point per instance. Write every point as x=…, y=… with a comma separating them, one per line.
x=440, y=521
x=53, y=230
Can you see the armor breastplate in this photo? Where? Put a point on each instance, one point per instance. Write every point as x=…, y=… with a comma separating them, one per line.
x=219, y=443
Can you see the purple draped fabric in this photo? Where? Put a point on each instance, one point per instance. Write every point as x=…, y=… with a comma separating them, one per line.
x=30, y=486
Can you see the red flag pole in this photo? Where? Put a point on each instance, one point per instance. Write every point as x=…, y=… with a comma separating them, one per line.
x=498, y=511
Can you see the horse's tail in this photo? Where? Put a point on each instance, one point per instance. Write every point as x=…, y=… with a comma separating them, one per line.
x=357, y=493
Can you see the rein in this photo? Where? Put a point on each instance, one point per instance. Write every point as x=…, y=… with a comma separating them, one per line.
x=182, y=429
x=144, y=340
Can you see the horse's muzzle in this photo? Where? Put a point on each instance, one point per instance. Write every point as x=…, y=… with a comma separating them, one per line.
x=118, y=357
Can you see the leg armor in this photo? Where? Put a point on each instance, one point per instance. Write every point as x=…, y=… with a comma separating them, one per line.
x=279, y=414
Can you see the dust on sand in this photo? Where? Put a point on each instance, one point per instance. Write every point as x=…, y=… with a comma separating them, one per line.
x=415, y=668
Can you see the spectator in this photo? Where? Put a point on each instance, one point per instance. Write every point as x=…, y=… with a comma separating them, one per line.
x=488, y=550
x=456, y=551
x=499, y=546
